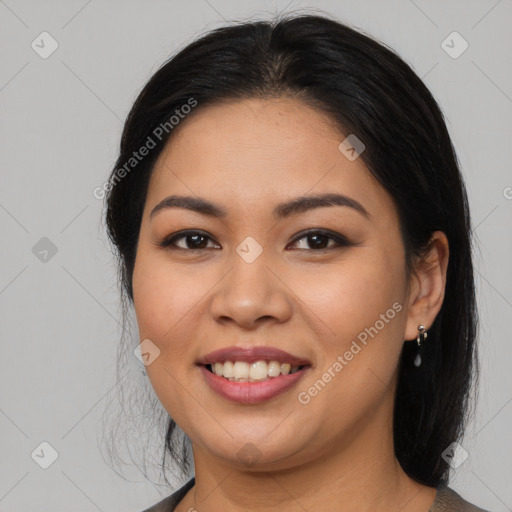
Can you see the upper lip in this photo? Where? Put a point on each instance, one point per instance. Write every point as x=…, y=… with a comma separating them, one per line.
x=251, y=355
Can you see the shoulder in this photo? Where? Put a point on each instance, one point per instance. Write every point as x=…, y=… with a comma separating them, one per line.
x=447, y=500
x=169, y=504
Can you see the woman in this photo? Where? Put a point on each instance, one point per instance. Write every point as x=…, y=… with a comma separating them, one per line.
x=293, y=232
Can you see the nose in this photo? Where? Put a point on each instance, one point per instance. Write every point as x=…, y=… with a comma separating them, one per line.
x=251, y=294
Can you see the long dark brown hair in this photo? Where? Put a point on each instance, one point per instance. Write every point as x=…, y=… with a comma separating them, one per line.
x=367, y=90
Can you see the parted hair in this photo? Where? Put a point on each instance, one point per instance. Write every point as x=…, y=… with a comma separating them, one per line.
x=369, y=91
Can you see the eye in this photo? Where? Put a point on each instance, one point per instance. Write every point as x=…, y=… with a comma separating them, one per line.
x=319, y=239
x=192, y=240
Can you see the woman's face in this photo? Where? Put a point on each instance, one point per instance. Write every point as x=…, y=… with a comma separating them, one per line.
x=253, y=278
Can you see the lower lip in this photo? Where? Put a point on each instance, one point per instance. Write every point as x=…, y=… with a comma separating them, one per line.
x=251, y=392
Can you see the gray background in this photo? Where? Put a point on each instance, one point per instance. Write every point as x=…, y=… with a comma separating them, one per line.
x=61, y=119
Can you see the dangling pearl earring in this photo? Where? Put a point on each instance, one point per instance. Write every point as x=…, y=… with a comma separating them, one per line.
x=422, y=336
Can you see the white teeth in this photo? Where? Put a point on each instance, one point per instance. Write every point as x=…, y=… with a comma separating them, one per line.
x=240, y=370
x=274, y=369
x=252, y=372
x=217, y=368
x=258, y=370
x=227, y=370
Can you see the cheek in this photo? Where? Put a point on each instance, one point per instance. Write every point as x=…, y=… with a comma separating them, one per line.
x=358, y=307
x=352, y=295
x=361, y=303
x=162, y=298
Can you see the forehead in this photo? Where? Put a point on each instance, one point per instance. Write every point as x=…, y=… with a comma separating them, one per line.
x=248, y=152
x=257, y=130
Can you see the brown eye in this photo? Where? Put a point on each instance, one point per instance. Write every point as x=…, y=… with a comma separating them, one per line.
x=316, y=240
x=192, y=240
x=320, y=239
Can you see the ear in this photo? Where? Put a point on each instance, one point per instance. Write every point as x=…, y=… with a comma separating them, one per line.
x=427, y=285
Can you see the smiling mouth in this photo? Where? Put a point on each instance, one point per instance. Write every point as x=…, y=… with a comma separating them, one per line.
x=258, y=371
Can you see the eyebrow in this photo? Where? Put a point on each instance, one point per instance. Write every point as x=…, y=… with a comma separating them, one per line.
x=295, y=206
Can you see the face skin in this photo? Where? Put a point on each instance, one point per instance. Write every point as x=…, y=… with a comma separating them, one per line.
x=247, y=157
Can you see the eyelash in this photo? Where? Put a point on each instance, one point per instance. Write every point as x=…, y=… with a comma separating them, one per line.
x=340, y=240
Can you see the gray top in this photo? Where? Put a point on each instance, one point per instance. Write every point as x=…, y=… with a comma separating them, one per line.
x=447, y=500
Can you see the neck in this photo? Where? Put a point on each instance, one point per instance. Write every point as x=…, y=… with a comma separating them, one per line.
x=361, y=474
